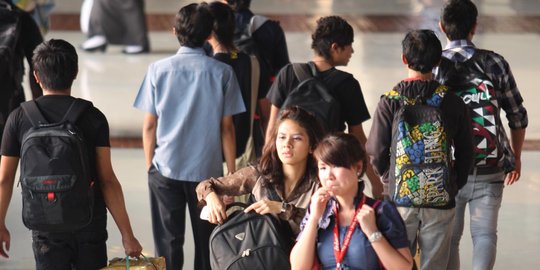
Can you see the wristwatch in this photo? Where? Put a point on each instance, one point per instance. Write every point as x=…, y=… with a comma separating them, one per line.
x=284, y=207
x=375, y=236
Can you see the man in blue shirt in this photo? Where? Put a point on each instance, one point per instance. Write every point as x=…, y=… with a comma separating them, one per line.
x=188, y=100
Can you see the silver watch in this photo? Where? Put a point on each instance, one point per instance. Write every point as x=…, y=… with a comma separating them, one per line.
x=375, y=236
x=284, y=206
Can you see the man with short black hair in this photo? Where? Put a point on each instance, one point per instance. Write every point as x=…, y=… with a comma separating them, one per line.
x=55, y=67
x=189, y=100
x=414, y=157
x=483, y=79
x=332, y=46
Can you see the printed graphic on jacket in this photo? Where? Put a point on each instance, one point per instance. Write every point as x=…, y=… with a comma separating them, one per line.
x=420, y=152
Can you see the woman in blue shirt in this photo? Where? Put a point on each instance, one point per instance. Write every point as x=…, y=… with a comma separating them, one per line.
x=342, y=228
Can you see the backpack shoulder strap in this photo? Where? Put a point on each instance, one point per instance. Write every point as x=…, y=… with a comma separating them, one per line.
x=77, y=107
x=256, y=22
x=32, y=112
x=302, y=71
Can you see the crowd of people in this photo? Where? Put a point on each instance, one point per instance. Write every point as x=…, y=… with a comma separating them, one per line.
x=436, y=144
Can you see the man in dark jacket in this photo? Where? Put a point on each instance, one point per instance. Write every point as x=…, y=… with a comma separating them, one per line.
x=411, y=167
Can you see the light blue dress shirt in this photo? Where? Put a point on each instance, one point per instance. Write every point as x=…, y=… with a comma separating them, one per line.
x=190, y=93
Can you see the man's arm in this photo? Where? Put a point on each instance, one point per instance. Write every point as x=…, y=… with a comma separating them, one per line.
x=376, y=184
x=517, y=137
x=8, y=167
x=274, y=111
x=149, y=138
x=114, y=199
x=228, y=143
x=264, y=112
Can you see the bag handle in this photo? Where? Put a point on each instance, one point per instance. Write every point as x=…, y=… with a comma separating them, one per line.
x=144, y=258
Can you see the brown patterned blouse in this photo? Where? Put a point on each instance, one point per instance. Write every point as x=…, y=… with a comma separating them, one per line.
x=248, y=180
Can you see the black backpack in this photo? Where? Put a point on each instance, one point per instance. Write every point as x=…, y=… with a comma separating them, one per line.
x=57, y=191
x=250, y=241
x=468, y=81
x=420, y=154
x=10, y=30
x=314, y=96
x=245, y=43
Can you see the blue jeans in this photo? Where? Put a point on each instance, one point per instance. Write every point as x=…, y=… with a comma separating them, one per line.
x=483, y=193
x=68, y=251
x=431, y=229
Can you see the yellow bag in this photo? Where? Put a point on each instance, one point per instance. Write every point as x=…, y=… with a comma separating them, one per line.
x=143, y=263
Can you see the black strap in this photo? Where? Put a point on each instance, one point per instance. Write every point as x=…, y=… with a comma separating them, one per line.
x=33, y=113
x=304, y=71
x=78, y=106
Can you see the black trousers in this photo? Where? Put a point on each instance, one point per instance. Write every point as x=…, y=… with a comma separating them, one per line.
x=168, y=199
x=68, y=251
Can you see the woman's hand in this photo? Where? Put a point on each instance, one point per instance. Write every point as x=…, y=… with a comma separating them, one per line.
x=216, y=213
x=318, y=202
x=265, y=207
x=366, y=219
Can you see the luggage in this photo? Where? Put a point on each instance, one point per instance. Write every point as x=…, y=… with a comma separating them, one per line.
x=143, y=263
x=248, y=241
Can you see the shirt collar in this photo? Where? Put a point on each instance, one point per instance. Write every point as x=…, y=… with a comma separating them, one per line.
x=459, y=50
x=458, y=44
x=188, y=50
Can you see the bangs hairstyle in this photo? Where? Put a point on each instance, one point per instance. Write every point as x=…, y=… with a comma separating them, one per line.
x=341, y=150
x=270, y=165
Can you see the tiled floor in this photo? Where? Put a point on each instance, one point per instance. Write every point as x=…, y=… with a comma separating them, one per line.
x=111, y=80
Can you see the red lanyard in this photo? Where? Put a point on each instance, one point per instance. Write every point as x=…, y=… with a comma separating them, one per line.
x=339, y=253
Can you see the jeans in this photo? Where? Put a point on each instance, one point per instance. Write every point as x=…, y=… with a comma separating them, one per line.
x=68, y=251
x=168, y=199
x=483, y=193
x=431, y=229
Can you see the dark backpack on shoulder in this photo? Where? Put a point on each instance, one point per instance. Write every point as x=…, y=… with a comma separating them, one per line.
x=57, y=191
x=420, y=154
x=248, y=241
x=10, y=30
x=246, y=43
x=468, y=81
x=314, y=96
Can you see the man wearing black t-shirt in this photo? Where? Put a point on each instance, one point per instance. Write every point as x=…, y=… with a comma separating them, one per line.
x=55, y=65
x=332, y=45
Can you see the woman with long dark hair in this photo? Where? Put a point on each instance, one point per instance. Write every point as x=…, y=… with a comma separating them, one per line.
x=287, y=167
